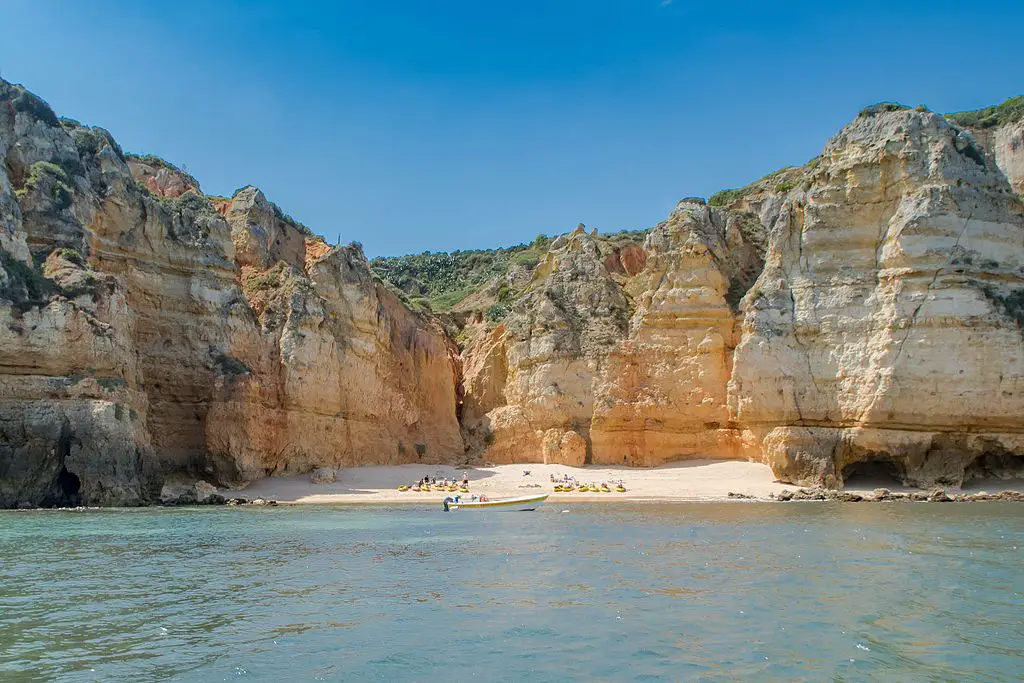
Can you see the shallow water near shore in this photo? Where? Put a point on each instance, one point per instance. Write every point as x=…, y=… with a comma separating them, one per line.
x=652, y=592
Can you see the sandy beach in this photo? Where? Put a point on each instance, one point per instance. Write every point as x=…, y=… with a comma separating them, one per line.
x=697, y=480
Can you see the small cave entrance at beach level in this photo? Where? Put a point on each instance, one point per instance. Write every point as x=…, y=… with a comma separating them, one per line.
x=872, y=474
x=69, y=484
x=995, y=465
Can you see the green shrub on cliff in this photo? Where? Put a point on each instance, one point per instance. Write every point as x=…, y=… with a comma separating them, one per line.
x=42, y=172
x=27, y=103
x=881, y=108
x=89, y=140
x=496, y=313
x=23, y=285
x=444, y=279
x=1008, y=112
x=618, y=239
x=726, y=197
x=152, y=160
x=780, y=181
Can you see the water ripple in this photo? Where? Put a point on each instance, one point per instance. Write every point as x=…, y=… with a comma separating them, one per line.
x=646, y=593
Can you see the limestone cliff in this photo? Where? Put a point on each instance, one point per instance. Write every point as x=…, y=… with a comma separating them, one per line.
x=861, y=310
x=341, y=372
x=884, y=326
x=1000, y=132
x=635, y=366
x=147, y=335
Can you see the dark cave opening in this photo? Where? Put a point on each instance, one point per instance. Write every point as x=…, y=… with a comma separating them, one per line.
x=996, y=465
x=872, y=474
x=69, y=484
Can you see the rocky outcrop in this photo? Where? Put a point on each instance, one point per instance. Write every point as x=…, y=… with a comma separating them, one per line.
x=72, y=406
x=662, y=393
x=883, y=327
x=636, y=367
x=341, y=374
x=160, y=178
x=153, y=334
x=538, y=369
x=323, y=475
x=1004, y=147
x=999, y=130
x=860, y=313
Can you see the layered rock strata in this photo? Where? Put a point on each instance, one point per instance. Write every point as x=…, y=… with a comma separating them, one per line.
x=635, y=367
x=155, y=333
x=1004, y=147
x=859, y=313
x=884, y=327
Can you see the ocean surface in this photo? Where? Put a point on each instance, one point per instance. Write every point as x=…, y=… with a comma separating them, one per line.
x=680, y=592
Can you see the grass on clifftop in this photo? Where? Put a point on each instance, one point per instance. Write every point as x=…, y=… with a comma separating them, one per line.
x=152, y=160
x=1008, y=112
x=780, y=181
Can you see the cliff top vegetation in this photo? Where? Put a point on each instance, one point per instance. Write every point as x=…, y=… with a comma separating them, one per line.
x=1010, y=111
x=440, y=280
x=443, y=279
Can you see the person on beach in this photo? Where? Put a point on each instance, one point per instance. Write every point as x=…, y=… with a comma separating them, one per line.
x=465, y=478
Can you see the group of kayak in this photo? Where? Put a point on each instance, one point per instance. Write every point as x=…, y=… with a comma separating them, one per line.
x=588, y=488
x=453, y=488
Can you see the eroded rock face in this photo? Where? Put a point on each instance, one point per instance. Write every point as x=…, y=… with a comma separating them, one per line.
x=564, y=448
x=160, y=178
x=138, y=348
x=341, y=374
x=72, y=408
x=635, y=367
x=1004, y=146
x=884, y=326
x=538, y=372
x=662, y=393
x=860, y=313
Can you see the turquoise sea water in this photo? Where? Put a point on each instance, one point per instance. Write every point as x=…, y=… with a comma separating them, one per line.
x=769, y=592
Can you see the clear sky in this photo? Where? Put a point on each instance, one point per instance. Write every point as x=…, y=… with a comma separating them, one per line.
x=415, y=124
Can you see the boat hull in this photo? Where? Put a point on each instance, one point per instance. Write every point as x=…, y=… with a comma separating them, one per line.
x=523, y=503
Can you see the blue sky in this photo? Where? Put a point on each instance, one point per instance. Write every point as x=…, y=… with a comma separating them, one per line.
x=412, y=125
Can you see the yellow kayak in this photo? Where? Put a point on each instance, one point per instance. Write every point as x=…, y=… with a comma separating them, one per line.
x=620, y=489
x=605, y=489
x=403, y=487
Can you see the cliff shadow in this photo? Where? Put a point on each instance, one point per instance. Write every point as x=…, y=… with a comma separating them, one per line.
x=873, y=474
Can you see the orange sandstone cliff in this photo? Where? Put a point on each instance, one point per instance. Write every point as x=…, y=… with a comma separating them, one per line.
x=151, y=333
x=862, y=311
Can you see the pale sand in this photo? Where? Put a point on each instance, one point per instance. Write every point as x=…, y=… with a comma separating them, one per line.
x=695, y=480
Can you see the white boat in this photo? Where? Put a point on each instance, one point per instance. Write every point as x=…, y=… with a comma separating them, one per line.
x=521, y=503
